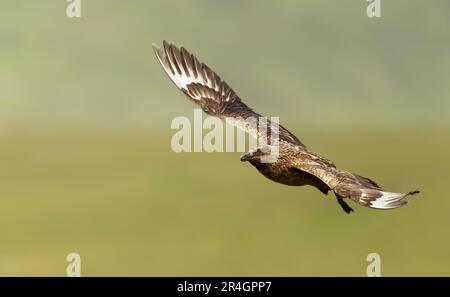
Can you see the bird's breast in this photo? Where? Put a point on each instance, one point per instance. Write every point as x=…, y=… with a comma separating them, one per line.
x=282, y=174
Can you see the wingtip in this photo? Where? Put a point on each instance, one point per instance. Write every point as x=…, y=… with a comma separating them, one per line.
x=159, y=52
x=155, y=46
x=165, y=44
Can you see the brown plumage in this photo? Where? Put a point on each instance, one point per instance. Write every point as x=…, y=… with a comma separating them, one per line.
x=295, y=164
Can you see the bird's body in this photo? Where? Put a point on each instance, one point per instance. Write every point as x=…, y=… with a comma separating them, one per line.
x=294, y=165
x=285, y=172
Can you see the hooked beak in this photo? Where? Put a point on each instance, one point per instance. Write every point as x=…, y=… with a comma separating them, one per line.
x=245, y=157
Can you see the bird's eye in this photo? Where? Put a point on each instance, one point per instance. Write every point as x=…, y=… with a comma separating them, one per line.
x=258, y=150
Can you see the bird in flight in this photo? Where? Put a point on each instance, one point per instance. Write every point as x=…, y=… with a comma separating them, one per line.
x=295, y=164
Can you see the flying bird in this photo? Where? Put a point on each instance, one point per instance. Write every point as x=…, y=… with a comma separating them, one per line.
x=295, y=164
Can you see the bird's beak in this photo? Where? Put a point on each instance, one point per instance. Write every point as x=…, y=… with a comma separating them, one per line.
x=245, y=157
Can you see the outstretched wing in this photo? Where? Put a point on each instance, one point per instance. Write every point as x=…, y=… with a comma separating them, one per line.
x=210, y=92
x=349, y=185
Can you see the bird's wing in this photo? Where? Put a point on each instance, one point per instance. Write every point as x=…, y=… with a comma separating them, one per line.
x=349, y=185
x=210, y=92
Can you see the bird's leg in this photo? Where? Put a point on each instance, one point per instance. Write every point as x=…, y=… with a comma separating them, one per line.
x=343, y=204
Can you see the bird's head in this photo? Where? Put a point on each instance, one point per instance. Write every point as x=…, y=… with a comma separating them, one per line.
x=258, y=155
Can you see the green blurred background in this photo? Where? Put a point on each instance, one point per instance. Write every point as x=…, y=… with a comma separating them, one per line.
x=85, y=158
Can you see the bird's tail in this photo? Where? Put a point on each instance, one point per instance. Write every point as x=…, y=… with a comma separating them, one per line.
x=367, y=193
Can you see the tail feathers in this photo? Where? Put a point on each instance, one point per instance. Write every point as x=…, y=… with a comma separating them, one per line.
x=389, y=200
x=367, y=193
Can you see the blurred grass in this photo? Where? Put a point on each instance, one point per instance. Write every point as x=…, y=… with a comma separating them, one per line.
x=130, y=206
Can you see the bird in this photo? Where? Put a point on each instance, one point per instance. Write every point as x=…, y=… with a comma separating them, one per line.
x=295, y=164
